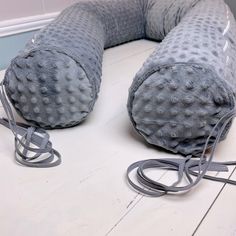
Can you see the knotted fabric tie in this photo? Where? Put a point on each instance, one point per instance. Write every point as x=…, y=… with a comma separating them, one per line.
x=186, y=167
x=32, y=145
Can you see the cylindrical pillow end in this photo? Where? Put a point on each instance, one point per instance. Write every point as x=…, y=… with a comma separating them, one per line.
x=177, y=105
x=49, y=89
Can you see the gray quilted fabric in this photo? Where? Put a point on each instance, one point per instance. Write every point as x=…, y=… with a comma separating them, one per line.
x=162, y=16
x=55, y=80
x=178, y=95
x=188, y=83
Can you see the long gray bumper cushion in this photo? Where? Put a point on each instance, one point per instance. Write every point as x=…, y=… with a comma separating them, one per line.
x=189, y=82
x=183, y=97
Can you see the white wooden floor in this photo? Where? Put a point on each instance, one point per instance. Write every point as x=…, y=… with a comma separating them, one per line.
x=88, y=195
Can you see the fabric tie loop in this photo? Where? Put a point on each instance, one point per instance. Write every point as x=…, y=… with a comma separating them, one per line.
x=186, y=167
x=32, y=145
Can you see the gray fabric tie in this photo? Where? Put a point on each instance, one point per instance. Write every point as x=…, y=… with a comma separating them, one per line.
x=185, y=167
x=32, y=145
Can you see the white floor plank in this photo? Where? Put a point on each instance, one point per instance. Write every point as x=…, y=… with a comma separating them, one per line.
x=221, y=219
x=115, y=54
x=177, y=215
x=88, y=194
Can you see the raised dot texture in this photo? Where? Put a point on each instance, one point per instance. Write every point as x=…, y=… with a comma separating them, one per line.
x=61, y=110
x=160, y=99
x=46, y=100
x=159, y=111
x=68, y=53
x=36, y=110
x=39, y=119
x=51, y=119
x=32, y=89
x=34, y=100
x=57, y=88
x=173, y=86
x=173, y=112
x=186, y=113
x=73, y=109
x=20, y=88
x=29, y=77
x=189, y=85
x=23, y=99
x=188, y=100
x=174, y=100
x=187, y=125
x=41, y=64
x=160, y=123
x=69, y=77
x=43, y=90
x=49, y=110
x=59, y=101
x=25, y=108
x=70, y=89
x=173, y=135
x=72, y=100
x=43, y=77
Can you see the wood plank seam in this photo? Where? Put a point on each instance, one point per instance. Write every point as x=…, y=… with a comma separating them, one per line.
x=213, y=203
x=135, y=203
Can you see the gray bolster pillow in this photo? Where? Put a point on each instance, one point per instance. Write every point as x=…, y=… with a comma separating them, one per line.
x=55, y=80
x=189, y=82
x=179, y=94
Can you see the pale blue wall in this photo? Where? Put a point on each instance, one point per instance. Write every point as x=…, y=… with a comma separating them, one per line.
x=10, y=45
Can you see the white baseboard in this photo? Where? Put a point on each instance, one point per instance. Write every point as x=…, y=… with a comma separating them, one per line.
x=20, y=25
